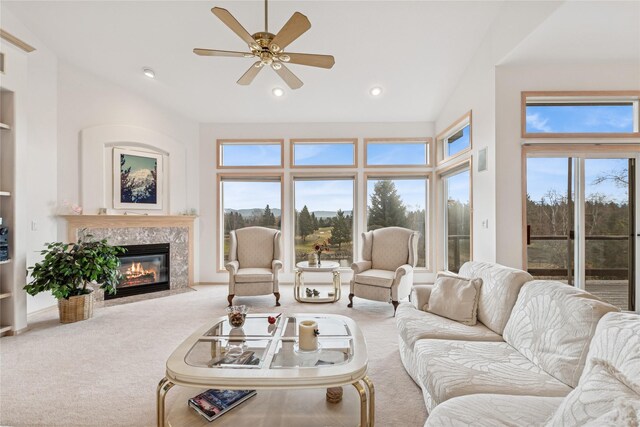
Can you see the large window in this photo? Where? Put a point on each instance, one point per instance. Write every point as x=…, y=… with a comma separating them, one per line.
x=457, y=216
x=250, y=153
x=247, y=201
x=319, y=152
x=400, y=152
x=580, y=114
x=455, y=140
x=324, y=215
x=399, y=201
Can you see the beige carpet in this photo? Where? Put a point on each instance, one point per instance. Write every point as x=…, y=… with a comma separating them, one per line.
x=104, y=372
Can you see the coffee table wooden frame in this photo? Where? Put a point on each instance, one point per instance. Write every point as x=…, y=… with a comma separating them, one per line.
x=326, y=267
x=354, y=372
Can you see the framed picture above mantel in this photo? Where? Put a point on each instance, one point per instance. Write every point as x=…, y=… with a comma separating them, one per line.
x=137, y=179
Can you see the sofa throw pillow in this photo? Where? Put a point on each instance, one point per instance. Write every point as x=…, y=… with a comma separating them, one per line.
x=597, y=392
x=455, y=298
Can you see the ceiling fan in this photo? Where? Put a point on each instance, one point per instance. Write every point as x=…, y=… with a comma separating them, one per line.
x=268, y=48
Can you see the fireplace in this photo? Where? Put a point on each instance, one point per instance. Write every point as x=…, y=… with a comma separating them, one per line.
x=144, y=268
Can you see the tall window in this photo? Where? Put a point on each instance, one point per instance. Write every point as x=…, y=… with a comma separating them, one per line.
x=399, y=201
x=248, y=201
x=457, y=218
x=580, y=114
x=324, y=215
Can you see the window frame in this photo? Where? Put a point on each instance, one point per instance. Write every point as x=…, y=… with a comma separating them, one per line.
x=315, y=176
x=221, y=142
x=442, y=174
x=391, y=175
x=581, y=97
x=426, y=140
x=327, y=141
x=220, y=177
x=458, y=124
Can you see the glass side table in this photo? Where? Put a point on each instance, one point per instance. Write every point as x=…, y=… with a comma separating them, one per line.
x=325, y=267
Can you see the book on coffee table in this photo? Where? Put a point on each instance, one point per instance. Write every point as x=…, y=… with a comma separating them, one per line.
x=213, y=403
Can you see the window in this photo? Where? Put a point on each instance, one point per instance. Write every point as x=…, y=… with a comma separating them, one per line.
x=250, y=153
x=400, y=152
x=399, y=201
x=455, y=140
x=324, y=213
x=578, y=114
x=247, y=201
x=457, y=216
x=319, y=152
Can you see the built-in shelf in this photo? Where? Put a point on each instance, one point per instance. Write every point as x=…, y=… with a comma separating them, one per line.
x=5, y=262
x=4, y=329
x=5, y=193
x=5, y=295
x=4, y=126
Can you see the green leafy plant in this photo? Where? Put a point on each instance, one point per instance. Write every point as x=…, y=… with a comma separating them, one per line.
x=67, y=268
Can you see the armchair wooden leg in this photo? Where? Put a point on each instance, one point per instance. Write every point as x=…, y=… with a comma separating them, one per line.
x=277, y=294
x=395, y=307
x=350, y=301
x=230, y=299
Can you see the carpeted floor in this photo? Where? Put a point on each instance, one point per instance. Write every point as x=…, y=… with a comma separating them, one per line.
x=104, y=371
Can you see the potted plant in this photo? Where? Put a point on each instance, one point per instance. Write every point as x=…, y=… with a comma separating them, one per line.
x=67, y=269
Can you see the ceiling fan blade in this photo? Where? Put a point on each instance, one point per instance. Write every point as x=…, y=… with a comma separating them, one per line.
x=289, y=78
x=296, y=26
x=233, y=24
x=214, y=52
x=322, y=61
x=250, y=74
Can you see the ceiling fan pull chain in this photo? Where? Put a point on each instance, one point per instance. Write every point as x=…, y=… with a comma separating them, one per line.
x=266, y=16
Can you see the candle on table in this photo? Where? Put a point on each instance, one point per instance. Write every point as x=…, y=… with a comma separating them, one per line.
x=307, y=335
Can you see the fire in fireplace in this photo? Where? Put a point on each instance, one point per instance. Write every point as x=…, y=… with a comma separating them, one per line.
x=144, y=268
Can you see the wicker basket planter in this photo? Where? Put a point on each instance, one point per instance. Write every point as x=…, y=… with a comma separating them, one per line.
x=76, y=308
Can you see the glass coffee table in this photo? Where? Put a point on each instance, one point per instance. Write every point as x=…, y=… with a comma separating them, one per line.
x=325, y=267
x=203, y=360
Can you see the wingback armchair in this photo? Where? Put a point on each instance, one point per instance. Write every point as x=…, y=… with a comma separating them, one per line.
x=254, y=262
x=386, y=270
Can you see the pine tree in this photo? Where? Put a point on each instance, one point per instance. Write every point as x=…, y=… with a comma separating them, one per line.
x=268, y=219
x=386, y=208
x=316, y=224
x=305, y=223
x=341, y=231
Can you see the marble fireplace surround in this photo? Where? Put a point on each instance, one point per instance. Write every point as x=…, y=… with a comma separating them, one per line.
x=177, y=230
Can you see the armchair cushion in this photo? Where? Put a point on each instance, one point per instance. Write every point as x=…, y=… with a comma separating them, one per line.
x=374, y=277
x=254, y=275
x=390, y=248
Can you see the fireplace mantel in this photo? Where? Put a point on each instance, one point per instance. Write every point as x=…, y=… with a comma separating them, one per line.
x=165, y=222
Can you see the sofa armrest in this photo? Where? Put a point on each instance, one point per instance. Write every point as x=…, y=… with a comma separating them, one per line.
x=420, y=295
x=360, y=266
x=232, y=267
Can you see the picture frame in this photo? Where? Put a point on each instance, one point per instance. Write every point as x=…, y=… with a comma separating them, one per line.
x=138, y=178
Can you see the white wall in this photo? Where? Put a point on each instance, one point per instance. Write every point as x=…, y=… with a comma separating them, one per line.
x=36, y=191
x=476, y=92
x=209, y=133
x=510, y=81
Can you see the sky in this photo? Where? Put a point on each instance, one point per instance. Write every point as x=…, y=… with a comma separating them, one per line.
x=586, y=118
x=138, y=162
x=396, y=153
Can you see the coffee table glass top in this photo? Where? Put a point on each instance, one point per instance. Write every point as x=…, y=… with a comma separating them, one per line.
x=248, y=347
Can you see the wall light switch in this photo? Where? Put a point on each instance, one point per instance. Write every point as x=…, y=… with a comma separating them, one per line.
x=485, y=223
x=34, y=225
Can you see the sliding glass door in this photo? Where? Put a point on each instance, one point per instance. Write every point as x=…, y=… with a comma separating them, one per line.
x=581, y=215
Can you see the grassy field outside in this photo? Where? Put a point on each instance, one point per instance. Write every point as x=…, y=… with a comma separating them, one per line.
x=343, y=255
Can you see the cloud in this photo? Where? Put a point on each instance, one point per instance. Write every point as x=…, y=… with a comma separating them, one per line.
x=536, y=123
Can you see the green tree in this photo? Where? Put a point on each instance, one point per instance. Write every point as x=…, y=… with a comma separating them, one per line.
x=316, y=224
x=386, y=208
x=305, y=223
x=341, y=231
x=268, y=218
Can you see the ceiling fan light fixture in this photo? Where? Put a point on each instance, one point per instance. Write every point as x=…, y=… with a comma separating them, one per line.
x=274, y=48
x=149, y=72
x=375, y=91
x=276, y=65
x=254, y=46
x=284, y=58
x=277, y=91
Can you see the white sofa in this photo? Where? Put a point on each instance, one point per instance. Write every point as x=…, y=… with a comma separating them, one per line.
x=525, y=355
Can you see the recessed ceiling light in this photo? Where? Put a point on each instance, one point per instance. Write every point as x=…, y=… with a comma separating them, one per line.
x=375, y=91
x=277, y=91
x=149, y=72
